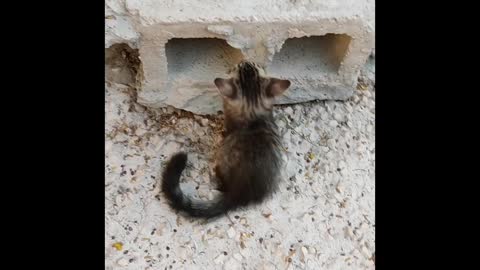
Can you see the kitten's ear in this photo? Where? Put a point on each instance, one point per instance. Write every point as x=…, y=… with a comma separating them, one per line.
x=225, y=87
x=276, y=87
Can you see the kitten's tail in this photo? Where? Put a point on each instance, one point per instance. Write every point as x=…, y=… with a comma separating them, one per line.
x=178, y=200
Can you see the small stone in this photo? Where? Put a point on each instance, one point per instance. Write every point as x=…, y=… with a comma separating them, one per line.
x=356, y=98
x=304, y=253
x=169, y=110
x=140, y=131
x=243, y=221
x=365, y=99
x=333, y=123
x=364, y=226
x=122, y=262
x=204, y=122
x=338, y=117
x=231, y=232
x=350, y=233
x=366, y=252
x=312, y=250
x=339, y=188
x=238, y=257
x=349, y=108
x=288, y=110
x=267, y=213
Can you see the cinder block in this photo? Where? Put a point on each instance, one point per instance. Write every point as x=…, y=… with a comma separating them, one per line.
x=319, y=45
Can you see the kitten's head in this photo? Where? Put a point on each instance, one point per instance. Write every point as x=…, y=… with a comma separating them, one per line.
x=249, y=92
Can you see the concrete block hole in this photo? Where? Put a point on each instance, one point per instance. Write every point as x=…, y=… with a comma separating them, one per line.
x=199, y=59
x=309, y=56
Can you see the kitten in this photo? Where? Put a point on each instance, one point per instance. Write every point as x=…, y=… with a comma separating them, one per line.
x=248, y=162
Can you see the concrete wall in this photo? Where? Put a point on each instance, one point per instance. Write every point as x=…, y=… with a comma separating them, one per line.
x=183, y=45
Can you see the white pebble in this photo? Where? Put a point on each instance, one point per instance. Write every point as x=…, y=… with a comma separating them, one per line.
x=366, y=252
x=238, y=256
x=340, y=188
x=364, y=226
x=304, y=254
x=349, y=108
x=333, y=123
x=365, y=99
x=350, y=233
x=338, y=117
x=243, y=221
x=169, y=110
x=266, y=213
x=122, y=262
x=356, y=98
x=288, y=111
x=312, y=250
x=231, y=232
x=140, y=131
x=204, y=122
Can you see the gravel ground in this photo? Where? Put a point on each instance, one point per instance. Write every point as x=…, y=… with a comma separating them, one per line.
x=322, y=218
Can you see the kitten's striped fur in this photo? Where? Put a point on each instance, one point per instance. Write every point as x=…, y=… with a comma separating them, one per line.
x=248, y=162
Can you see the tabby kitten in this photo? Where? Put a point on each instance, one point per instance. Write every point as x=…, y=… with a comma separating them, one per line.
x=248, y=162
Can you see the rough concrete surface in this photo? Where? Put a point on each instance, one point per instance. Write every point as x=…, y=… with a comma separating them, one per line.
x=322, y=218
x=319, y=45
